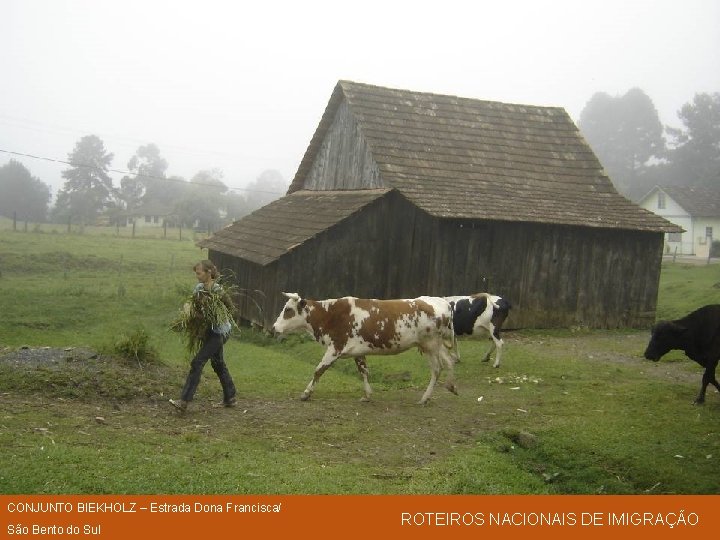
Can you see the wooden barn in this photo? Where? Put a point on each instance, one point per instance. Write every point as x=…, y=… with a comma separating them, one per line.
x=402, y=194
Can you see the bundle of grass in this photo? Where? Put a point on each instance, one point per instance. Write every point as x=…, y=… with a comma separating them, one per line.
x=202, y=311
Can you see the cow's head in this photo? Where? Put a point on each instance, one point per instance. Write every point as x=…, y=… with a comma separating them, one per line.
x=293, y=316
x=666, y=335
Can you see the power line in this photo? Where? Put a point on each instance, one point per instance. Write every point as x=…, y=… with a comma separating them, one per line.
x=54, y=160
x=122, y=140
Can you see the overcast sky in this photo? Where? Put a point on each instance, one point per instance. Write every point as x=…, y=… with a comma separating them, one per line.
x=241, y=86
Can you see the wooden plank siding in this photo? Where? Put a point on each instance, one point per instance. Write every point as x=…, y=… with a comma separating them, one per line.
x=343, y=160
x=555, y=276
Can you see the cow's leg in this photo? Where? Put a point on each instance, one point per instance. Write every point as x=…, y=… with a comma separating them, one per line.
x=708, y=378
x=490, y=350
x=434, y=373
x=435, y=368
x=449, y=361
x=714, y=381
x=490, y=328
x=327, y=360
x=498, y=344
x=363, y=369
x=455, y=349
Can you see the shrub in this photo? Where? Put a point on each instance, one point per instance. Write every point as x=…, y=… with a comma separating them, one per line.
x=136, y=347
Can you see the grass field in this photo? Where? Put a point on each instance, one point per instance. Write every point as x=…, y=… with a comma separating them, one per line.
x=567, y=412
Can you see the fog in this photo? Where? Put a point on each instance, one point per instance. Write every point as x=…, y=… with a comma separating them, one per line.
x=242, y=87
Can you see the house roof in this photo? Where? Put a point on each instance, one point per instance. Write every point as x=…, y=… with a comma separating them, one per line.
x=277, y=228
x=466, y=158
x=697, y=201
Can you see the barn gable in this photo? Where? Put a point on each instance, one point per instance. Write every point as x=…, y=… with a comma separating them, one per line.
x=472, y=159
x=343, y=159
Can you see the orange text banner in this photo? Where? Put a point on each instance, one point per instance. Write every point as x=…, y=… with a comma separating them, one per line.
x=111, y=517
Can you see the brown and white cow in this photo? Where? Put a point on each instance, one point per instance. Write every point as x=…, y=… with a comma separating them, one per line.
x=355, y=327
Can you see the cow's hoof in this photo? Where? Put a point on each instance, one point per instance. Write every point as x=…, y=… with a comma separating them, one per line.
x=452, y=389
x=305, y=396
x=699, y=402
x=364, y=399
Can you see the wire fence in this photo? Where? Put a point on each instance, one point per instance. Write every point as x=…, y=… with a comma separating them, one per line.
x=134, y=229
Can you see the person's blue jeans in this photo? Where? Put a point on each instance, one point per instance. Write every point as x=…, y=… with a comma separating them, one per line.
x=211, y=349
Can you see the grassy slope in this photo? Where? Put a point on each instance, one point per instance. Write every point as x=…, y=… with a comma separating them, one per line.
x=566, y=413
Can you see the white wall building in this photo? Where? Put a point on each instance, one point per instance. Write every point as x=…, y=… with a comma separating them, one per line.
x=695, y=209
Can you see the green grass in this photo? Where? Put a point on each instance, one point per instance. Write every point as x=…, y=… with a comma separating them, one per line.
x=568, y=412
x=685, y=287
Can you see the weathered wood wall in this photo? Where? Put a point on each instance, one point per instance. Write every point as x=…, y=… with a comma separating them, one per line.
x=343, y=160
x=555, y=276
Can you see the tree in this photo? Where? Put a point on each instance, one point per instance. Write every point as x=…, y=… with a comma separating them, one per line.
x=695, y=157
x=237, y=206
x=22, y=194
x=204, y=200
x=88, y=187
x=148, y=183
x=269, y=186
x=625, y=133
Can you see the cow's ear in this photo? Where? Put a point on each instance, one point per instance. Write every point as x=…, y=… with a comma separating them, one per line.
x=301, y=304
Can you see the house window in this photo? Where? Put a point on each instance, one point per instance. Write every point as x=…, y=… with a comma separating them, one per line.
x=674, y=237
x=156, y=219
x=661, y=200
x=708, y=232
x=147, y=219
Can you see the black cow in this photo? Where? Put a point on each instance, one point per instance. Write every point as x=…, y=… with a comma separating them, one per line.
x=698, y=335
x=479, y=313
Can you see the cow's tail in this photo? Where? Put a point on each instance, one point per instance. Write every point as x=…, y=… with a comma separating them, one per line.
x=449, y=339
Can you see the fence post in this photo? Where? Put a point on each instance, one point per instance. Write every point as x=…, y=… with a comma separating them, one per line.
x=710, y=248
x=14, y=221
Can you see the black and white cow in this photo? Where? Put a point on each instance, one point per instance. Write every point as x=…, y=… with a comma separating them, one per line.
x=480, y=314
x=355, y=327
x=698, y=335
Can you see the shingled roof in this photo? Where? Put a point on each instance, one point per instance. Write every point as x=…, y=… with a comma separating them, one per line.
x=466, y=158
x=700, y=201
x=277, y=228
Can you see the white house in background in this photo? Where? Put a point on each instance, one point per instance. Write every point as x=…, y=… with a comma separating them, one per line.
x=695, y=209
x=154, y=215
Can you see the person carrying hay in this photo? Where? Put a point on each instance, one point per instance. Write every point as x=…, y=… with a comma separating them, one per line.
x=206, y=320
